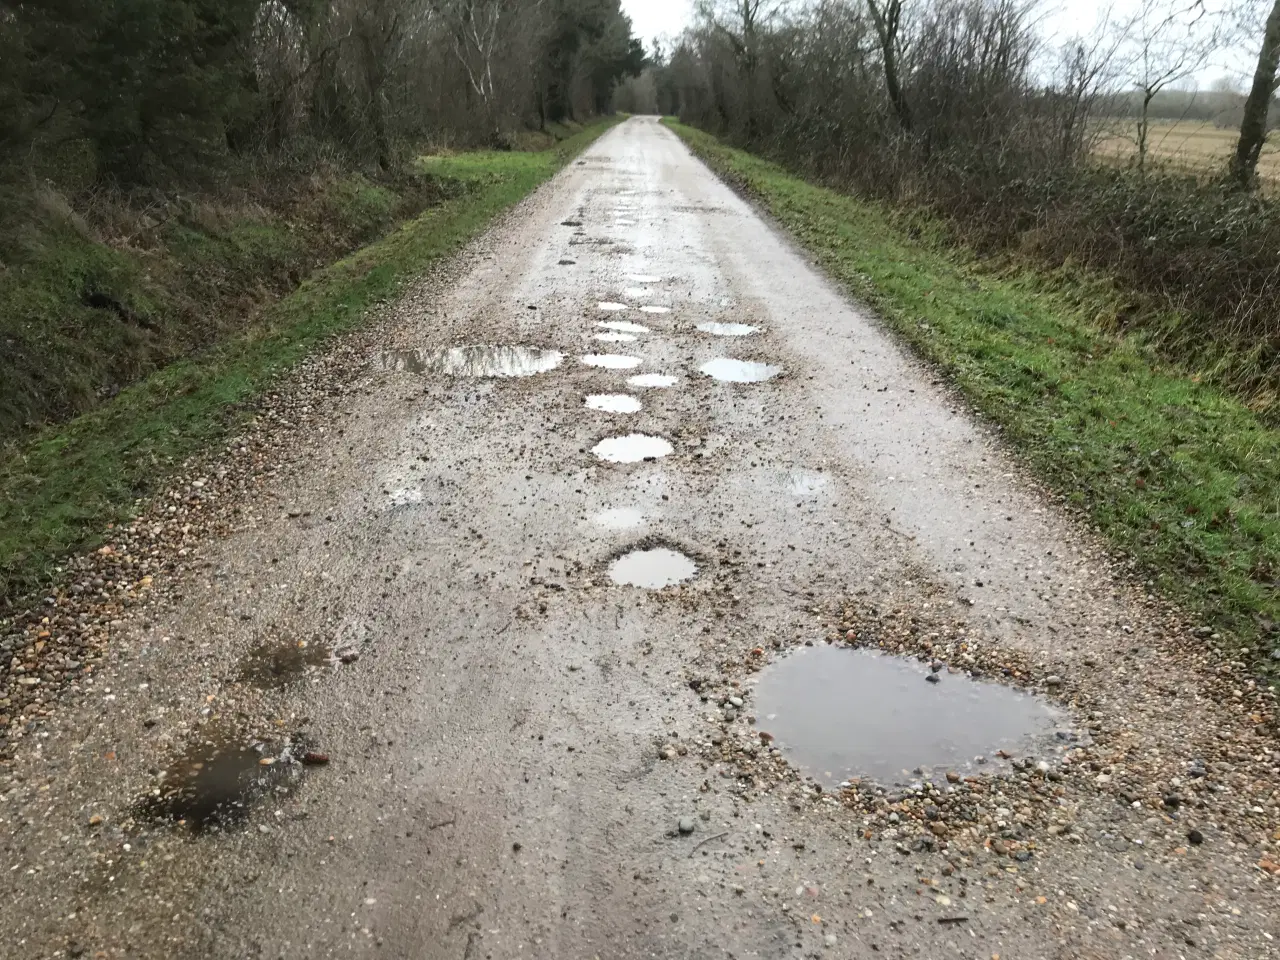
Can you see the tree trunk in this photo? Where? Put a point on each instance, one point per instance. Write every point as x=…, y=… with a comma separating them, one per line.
x=1253, y=128
x=887, y=19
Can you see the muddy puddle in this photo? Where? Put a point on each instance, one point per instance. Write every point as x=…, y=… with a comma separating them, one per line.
x=611, y=361
x=278, y=663
x=657, y=381
x=610, y=307
x=840, y=714
x=474, y=361
x=739, y=371
x=622, y=326
x=216, y=780
x=728, y=329
x=652, y=569
x=613, y=403
x=613, y=336
x=632, y=448
x=619, y=518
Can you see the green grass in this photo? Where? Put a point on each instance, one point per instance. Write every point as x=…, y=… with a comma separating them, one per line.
x=60, y=489
x=1182, y=477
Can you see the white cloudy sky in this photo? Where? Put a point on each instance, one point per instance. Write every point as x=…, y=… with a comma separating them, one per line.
x=1061, y=18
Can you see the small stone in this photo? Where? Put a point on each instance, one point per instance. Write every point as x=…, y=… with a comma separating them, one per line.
x=932, y=678
x=953, y=777
x=1053, y=681
x=736, y=702
x=1195, y=837
x=348, y=655
x=313, y=759
x=95, y=820
x=668, y=752
x=829, y=939
x=1173, y=801
x=686, y=825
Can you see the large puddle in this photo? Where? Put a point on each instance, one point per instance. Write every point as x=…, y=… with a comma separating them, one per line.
x=613, y=403
x=611, y=361
x=474, y=361
x=652, y=380
x=623, y=326
x=728, y=329
x=632, y=448
x=839, y=714
x=739, y=371
x=652, y=569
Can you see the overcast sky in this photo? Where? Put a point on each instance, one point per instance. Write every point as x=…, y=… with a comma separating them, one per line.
x=1062, y=18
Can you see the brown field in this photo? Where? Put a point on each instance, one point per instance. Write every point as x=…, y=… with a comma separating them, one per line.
x=1190, y=145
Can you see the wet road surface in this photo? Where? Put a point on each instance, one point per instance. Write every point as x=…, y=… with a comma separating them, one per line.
x=519, y=592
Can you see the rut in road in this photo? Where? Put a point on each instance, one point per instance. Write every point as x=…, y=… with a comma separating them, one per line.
x=559, y=624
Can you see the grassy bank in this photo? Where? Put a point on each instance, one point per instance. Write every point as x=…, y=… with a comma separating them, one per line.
x=1180, y=476
x=60, y=488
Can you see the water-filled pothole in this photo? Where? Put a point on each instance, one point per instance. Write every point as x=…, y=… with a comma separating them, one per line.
x=216, y=780
x=652, y=569
x=739, y=371
x=614, y=403
x=474, y=361
x=619, y=518
x=271, y=665
x=728, y=329
x=632, y=448
x=611, y=361
x=652, y=380
x=839, y=713
x=612, y=336
x=623, y=326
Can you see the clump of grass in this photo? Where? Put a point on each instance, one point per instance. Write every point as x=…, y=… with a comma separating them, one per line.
x=1180, y=475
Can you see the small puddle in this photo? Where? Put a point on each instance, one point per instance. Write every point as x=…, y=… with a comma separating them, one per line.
x=623, y=326
x=739, y=371
x=652, y=569
x=614, y=337
x=839, y=713
x=476, y=361
x=216, y=780
x=613, y=403
x=652, y=380
x=619, y=518
x=612, y=307
x=643, y=278
x=611, y=361
x=728, y=329
x=273, y=665
x=804, y=483
x=655, y=309
x=632, y=448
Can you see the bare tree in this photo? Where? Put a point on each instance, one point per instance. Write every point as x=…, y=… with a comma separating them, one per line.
x=887, y=17
x=1253, y=127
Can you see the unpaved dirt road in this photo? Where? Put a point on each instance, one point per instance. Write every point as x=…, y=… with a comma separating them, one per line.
x=513, y=739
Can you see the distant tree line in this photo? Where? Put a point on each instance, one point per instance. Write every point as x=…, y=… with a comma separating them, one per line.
x=147, y=92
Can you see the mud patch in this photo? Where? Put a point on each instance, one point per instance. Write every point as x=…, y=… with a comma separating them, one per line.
x=840, y=714
x=632, y=448
x=656, y=381
x=652, y=569
x=611, y=361
x=615, y=337
x=613, y=403
x=216, y=780
x=619, y=518
x=738, y=371
x=270, y=666
x=728, y=329
x=623, y=326
x=474, y=361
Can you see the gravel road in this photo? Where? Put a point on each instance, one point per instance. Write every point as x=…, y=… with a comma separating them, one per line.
x=363, y=683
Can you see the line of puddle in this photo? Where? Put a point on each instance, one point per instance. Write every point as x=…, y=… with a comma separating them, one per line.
x=652, y=569
x=840, y=714
x=738, y=371
x=613, y=403
x=474, y=361
x=632, y=448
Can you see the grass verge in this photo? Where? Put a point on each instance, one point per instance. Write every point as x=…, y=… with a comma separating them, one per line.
x=1180, y=476
x=60, y=489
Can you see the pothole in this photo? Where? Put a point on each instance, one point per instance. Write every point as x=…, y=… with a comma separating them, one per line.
x=275, y=664
x=652, y=380
x=613, y=403
x=610, y=307
x=840, y=714
x=615, y=337
x=619, y=518
x=728, y=329
x=474, y=361
x=654, y=308
x=611, y=361
x=739, y=371
x=652, y=569
x=632, y=448
x=623, y=326
x=216, y=779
